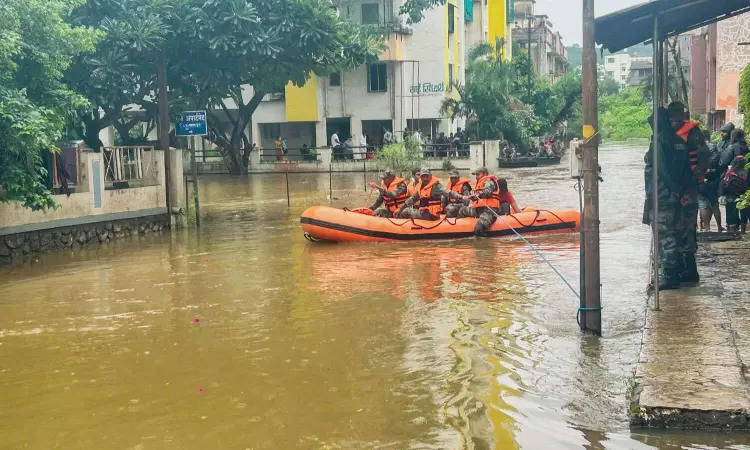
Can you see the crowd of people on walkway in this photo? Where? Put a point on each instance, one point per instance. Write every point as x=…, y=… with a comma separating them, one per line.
x=544, y=148
x=694, y=179
x=424, y=197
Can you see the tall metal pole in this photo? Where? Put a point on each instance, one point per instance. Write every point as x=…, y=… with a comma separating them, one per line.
x=164, y=125
x=592, y=311
x=656, y=95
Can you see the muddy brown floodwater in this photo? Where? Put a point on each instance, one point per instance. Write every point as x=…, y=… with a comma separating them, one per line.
x=443, y=345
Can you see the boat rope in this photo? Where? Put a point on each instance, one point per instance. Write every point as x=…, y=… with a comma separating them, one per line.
x=538, y=254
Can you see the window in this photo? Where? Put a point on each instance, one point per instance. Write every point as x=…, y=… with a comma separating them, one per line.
x=623, y=78
x=335, y=79
x=270, y=130
x=622, y=68
x=610, y=60
x=370, y=13
x=611, y=73
x=377, y=78
x=451, y=18
x=450, y=77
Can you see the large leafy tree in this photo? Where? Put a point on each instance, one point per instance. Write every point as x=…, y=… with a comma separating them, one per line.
x=225, y=46
x=122, y=71
x=36, y=49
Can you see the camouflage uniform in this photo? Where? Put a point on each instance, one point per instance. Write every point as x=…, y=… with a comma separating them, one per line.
x=485, y=217
x=385, y=212
x=411, y=211
x=452, y=210
x=673, y=179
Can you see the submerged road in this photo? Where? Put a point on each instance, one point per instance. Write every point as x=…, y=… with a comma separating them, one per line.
x=245, y=335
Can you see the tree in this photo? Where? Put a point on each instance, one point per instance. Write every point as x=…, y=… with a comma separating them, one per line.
x=608, y=86
x=122, y=71
x=488, y=100
x=34, y=102
x=226, y=46
x=745, y=95
x=414, y=9
x=624, y=116
x=401, y=157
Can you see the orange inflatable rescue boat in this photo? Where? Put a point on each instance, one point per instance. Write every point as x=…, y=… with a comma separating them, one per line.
x=323, y=223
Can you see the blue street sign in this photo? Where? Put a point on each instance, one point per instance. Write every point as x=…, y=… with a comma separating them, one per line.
x=192, y=123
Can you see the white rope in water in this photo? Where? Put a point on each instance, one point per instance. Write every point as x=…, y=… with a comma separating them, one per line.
x=538, y=253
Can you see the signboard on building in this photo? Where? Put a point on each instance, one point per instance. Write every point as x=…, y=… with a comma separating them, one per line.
x=427, y=89
x=192, y=123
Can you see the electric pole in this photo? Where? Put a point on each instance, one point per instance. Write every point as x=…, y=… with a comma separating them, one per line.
x=591, y=313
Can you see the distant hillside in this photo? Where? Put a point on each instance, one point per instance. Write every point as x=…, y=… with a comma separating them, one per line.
x=574, y=53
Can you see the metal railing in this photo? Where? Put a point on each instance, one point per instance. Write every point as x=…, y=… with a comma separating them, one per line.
x=298, y=155
x=129, y=164
x=357, y=153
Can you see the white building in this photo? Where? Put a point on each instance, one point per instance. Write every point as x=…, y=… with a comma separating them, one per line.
x=618, y=65
x=403, y=90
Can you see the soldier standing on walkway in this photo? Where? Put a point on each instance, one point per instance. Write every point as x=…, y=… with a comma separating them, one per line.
x=699, y=157
x=673, y=177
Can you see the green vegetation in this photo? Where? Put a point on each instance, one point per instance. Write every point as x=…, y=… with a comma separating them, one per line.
x=401, y=158
x=36, y=50
x=499, y=103
x=745, y=95
x=71, y=68
x=624, y=115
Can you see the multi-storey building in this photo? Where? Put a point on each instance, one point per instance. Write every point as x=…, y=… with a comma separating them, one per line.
x=548, y=53
x=403, y=90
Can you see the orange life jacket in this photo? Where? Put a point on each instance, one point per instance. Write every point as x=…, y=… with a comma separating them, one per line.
x=413, y=187
x=426, y=202
x=684, y=132
x=393, y=204
x=457, y=188
x=494, y=200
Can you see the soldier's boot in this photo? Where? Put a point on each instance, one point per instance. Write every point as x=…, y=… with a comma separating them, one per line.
x=690, y=273
x=670, y=280
x=743, y=228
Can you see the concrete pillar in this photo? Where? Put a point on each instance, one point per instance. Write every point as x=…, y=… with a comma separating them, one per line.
x=177, y=195
x=321, y=133
x=253, y=163
x=476, y=155
x=255, y=136
x=326, y=156
x=492, y=155
x=356, y=127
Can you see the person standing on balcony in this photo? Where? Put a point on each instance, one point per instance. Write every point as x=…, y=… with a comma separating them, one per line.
x=279, y=149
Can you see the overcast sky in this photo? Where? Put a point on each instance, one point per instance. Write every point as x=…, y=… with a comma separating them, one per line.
x=566, y=15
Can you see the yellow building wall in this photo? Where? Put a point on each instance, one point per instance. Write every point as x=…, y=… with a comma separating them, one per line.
x=497, y=18
x=395, y=49
x=302, y=101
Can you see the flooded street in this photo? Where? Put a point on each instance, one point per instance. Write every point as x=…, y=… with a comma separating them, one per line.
x=246, y=335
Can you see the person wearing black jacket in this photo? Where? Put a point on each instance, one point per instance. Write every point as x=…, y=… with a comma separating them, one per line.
x=738, y=148
x=708, y=192
x=674, y=179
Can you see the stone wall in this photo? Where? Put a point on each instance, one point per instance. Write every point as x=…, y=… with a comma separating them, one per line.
x=731, y=58
x=18, y=247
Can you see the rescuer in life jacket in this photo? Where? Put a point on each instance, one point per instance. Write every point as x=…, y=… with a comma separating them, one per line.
x=393, y=193
x=412, y=186
x=699, y=156
x=486, y=196
x=460, y=186
x=428, y=200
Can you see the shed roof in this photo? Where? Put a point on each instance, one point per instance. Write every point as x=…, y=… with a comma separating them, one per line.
x=635, y=25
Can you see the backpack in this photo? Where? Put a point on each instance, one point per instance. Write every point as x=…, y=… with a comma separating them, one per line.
x=735, y=180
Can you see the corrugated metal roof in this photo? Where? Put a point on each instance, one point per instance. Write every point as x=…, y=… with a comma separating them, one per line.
x=635, y=25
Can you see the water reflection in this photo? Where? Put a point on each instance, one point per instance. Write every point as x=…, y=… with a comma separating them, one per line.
x=461, y=344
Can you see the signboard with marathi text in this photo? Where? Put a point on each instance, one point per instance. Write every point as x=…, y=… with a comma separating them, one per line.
x=427, y=89
x=192, y=123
